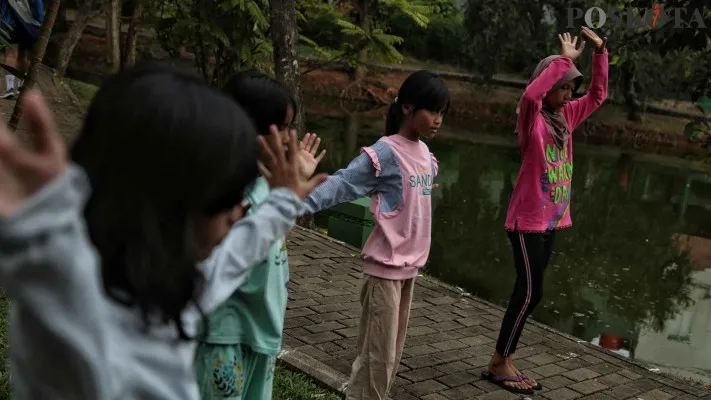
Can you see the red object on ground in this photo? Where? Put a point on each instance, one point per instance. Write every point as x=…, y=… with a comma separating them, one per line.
x=610, y=342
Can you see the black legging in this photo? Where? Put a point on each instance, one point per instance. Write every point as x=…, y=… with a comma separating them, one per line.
x=532, y=251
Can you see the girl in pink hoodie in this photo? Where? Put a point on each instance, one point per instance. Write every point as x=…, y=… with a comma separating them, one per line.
x=540, y=203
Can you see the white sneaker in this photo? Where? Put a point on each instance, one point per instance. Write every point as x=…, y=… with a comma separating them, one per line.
x=8, y=94
x=10, y=89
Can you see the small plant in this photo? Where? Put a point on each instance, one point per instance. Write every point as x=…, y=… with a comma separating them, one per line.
x=699, y=130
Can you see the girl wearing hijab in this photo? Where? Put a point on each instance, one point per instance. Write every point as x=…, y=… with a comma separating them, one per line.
x=23, y=20
x=540, y=203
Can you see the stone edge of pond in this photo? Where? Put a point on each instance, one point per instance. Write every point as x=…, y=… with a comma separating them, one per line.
x=321, y=373
x=336, y=381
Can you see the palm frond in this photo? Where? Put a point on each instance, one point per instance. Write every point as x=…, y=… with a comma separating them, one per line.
x=5, y=35
x=345, y=24
x=322, y=52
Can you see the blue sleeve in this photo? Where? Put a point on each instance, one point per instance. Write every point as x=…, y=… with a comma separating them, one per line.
x=374, y=170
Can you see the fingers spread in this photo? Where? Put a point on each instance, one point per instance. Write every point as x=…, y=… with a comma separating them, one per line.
x=314, y=145
x=310, y=141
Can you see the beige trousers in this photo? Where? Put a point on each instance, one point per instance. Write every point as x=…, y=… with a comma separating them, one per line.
x=381, y=337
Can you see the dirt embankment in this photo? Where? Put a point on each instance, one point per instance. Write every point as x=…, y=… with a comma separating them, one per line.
x=497, y=105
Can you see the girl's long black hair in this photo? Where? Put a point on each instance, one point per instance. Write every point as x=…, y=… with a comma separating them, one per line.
x=161, y=149
x=265, y=99
x=422, y=90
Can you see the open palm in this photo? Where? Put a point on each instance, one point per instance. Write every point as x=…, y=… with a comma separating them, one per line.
x=569, y=46
x=595, y=39
x=307, y=154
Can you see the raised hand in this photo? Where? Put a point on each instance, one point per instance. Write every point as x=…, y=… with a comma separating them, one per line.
x=599, y=44
x=307, y=152
x=24, y=171
x=569, y=46
x=283, y=171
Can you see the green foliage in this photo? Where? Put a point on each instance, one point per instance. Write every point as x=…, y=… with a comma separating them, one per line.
x=225, y=36
x=5, y=36
x=665, y=58
x=496, y=29
x=699, y=130
x=338, y=31
x=512, y=36
x=444, y=39
x=83, y=91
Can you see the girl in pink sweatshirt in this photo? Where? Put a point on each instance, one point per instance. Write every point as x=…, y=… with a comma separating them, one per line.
x=398, y=172
x=540, y=203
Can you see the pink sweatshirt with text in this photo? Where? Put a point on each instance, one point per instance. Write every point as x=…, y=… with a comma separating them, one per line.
x=541, y=198
x=398, y=175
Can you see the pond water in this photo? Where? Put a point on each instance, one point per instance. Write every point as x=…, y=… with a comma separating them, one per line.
x=633, y=274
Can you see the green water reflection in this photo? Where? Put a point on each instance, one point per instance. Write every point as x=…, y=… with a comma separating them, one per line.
x=621, y=271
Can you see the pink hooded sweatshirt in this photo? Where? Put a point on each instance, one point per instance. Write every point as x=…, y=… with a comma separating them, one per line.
x=541, y=198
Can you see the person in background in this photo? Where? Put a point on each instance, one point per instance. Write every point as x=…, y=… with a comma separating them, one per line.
x=23, y=19
x=237, y=352
x=540, y=203
x=398, y=172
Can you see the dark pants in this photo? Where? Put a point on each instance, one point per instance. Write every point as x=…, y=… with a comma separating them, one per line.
x=532, y=251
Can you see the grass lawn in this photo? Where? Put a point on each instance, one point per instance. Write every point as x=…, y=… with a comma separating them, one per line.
x=84, y=91
x=290, y=385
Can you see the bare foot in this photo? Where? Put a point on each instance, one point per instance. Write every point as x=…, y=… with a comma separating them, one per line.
x=499, y=366
x=529, y=381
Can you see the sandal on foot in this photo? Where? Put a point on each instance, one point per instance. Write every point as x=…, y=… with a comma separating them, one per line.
x=536, y=387
x=500, y=381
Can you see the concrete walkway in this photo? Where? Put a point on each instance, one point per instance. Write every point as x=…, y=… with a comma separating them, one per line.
x=449, y=341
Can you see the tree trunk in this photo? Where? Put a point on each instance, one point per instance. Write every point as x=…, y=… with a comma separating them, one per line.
x=36, y=61
x=83, y=15
x=128, y=50
x=363, y=7
x=629, y=85
x=113, y=34
x=286, y=64
x=286, y=52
